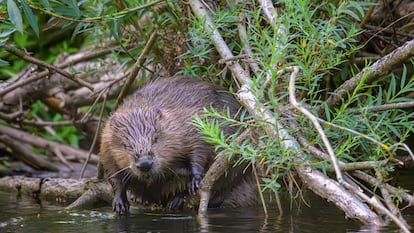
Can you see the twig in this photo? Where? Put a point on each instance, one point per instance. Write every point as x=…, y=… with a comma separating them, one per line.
x=75, y=59
x=388, y=26
x=371, y=201
x=59, y=154
x=256, y=177
x=358, y=174
x=132, y=76
x=315, y=122
x=379, y=207
x=374, y=182
x=407, y=148
x=95, y=137
x=23, y=55
x=358, y=165
x=386, y=196
x=246, y=46
x=270, y=12
x=384, y=107
x=221, y=46
x=382, y=145
x=375, y=204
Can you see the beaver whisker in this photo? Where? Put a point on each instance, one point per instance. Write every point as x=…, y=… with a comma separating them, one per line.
x=117, y=172
x=126, y=177
x=172, y=171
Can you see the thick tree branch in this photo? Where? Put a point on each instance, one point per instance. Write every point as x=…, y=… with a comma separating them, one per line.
x=369, y=74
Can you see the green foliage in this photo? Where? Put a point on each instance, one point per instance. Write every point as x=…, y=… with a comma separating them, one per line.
x=89, y=22
x=320, y=39
x=67, y=134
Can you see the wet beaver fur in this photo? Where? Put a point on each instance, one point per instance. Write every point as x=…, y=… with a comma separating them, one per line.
x=150, y=147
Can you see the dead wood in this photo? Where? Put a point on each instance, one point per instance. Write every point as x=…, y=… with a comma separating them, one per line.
x=56, y=190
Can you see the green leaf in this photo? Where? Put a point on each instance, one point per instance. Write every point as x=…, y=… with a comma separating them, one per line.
x=358, y=7
x=352, y=14
x=7, y=33
x=30, y=17
x=403, y=76
x=3, y=63
x=394, y=130
x=46, y=4
x=15, y=16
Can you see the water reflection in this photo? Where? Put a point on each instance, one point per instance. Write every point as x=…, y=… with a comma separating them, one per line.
x=25, y=215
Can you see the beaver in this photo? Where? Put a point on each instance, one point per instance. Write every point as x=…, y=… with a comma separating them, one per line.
x=150, y=147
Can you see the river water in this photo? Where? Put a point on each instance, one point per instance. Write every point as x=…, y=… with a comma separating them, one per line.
x=23, y=214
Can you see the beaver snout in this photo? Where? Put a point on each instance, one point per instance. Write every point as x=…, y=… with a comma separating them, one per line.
x=144, y=164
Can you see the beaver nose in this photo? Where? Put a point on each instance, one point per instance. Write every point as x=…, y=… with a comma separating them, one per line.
x=144, y=164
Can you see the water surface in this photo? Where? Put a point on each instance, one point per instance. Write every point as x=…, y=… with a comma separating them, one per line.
x=22, y=214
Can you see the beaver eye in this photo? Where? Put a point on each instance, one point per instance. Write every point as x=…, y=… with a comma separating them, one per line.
x=155, y=139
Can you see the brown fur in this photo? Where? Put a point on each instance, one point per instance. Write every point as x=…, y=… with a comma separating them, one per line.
x=153, y=129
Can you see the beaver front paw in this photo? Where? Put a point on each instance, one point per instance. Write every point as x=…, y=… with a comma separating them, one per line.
x=120, y=204
x=195, y=183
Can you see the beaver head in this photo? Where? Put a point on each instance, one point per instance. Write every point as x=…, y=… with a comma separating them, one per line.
x=136, y=132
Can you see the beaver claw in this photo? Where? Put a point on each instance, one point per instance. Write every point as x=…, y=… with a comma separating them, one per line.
x=195, y=183
x=177, y=202
x=120, y=205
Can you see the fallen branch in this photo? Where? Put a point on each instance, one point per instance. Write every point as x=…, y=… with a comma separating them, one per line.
x=25, y=153
x=23, y=55
x=401, y=223
x=45, y=144
x=56, y=189
x=369, y=74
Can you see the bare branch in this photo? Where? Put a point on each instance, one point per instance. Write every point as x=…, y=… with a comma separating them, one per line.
x=23, y=55
x=24, y=153
x=371, y=73
x=42, y=143
x=137, y=67
x=315, y=122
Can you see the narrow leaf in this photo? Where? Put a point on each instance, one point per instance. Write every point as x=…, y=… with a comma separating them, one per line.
x=32, y=20
x=403, y=76
x=14, y=15
x=3, y=63
x=45, y=4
